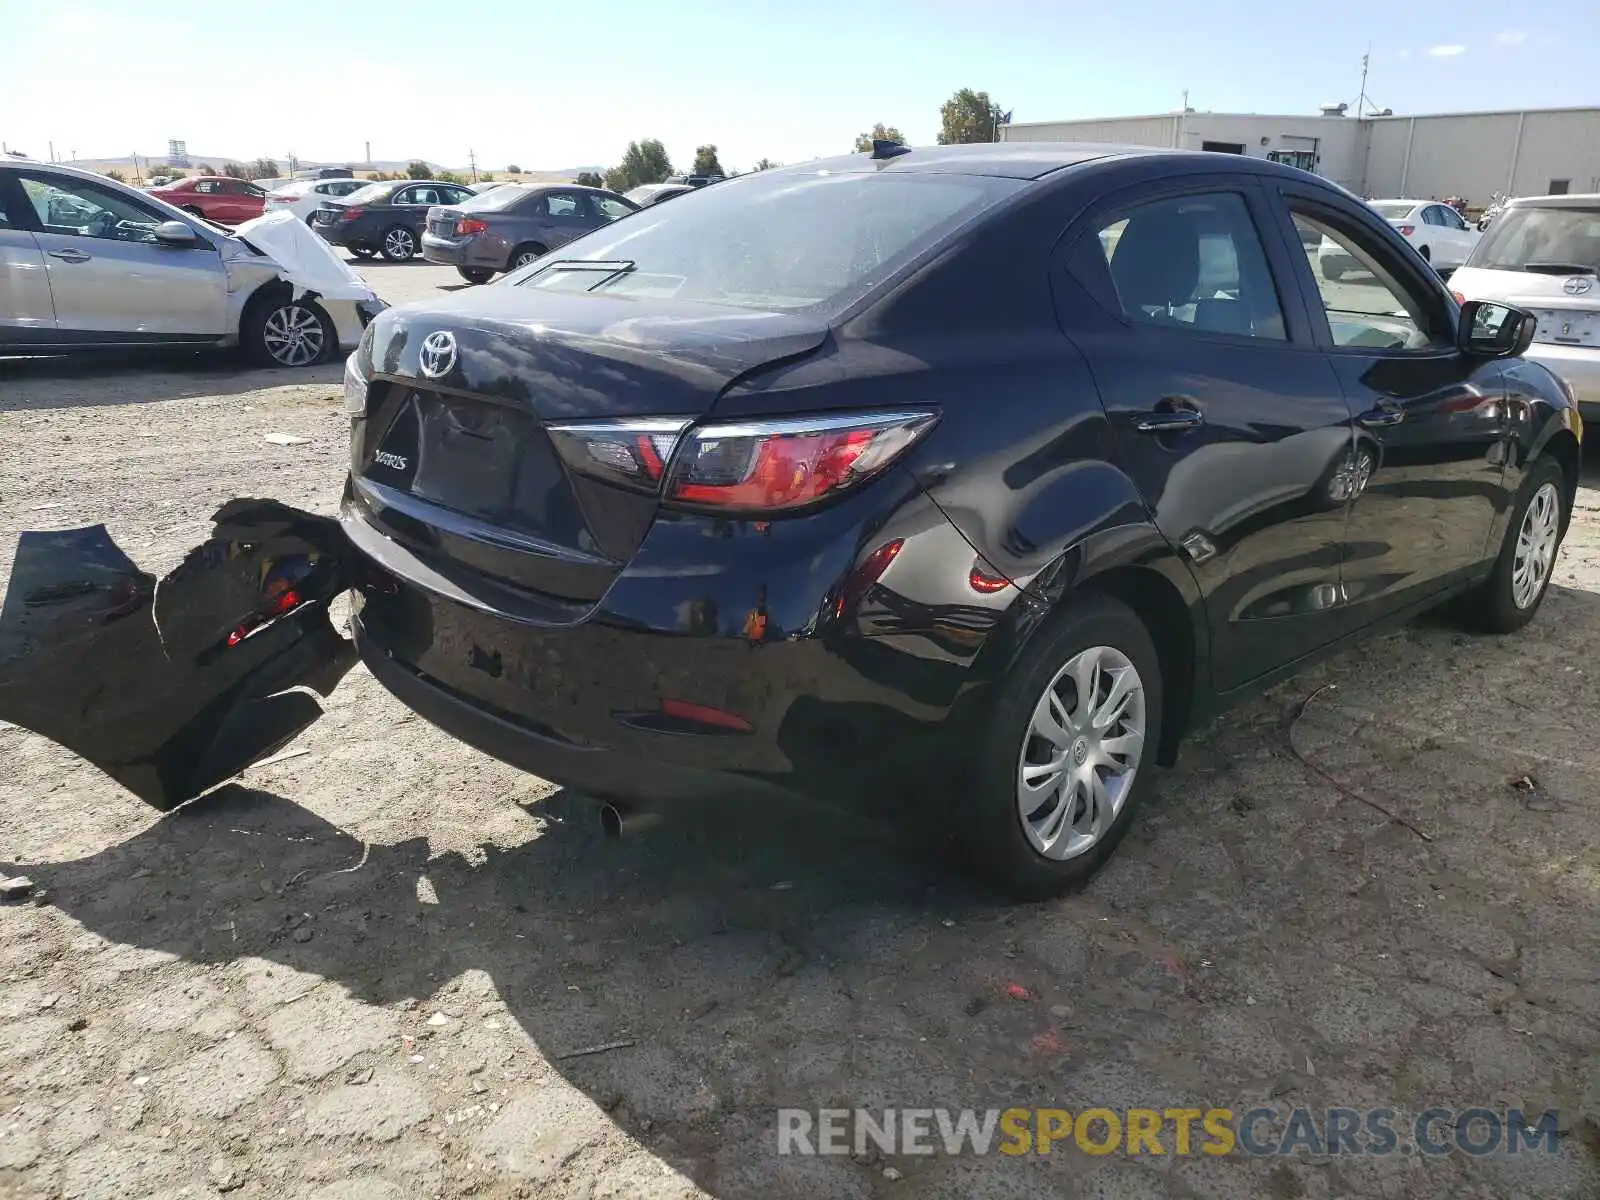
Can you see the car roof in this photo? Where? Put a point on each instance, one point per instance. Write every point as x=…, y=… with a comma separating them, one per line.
x=1569, y=200
x=1402, y=200
x=1021, y=160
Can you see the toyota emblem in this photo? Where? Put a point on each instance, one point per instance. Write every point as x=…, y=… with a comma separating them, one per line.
x=1577, y=285
x=438, y=354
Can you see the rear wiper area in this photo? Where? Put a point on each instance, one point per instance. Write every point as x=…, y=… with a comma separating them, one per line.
x=598, y=271
x=1559, y=268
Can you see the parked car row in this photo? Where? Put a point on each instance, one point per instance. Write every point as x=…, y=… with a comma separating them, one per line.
x=512, y=226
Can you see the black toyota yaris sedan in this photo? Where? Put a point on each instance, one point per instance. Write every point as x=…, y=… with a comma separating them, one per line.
x=963, y=479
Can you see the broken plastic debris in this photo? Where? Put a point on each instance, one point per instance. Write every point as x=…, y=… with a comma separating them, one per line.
x=1017, y=992
x=287, y=754
x=286, y=439
x=15, y=887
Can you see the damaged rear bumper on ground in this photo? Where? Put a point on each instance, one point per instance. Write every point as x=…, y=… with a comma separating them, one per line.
x=172, y=686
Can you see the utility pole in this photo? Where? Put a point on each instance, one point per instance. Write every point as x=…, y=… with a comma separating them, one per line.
x=52, y=146
x=1361, y=100
x=368, y=159
x=472, y=162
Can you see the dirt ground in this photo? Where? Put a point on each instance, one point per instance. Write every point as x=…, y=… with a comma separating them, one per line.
x=355, y=974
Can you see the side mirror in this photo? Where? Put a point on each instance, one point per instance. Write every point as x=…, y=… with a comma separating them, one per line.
x=1490, y=330
x=176, y=234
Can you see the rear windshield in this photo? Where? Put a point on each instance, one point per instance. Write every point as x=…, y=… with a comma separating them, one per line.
x=776, y=240
x=1526, y=237
x=372, y=193
x=1393, y=212
x=497, y=199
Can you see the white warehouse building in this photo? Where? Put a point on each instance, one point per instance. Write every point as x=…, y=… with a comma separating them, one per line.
x=1529, y=152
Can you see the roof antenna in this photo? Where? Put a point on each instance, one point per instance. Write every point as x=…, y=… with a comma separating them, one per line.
x=883, y=148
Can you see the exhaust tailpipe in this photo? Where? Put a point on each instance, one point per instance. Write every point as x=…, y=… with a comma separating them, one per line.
x=619, y=820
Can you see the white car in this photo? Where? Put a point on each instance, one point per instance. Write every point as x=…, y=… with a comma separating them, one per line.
x=1437, y=231
x=304, y=196
x=1543, y=254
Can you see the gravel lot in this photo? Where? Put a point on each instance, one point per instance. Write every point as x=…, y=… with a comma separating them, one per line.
x=354, y=973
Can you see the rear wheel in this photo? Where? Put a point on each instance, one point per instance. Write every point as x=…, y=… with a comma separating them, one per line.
x=1332, y=271
x=287, y=333
x=525, y=254
x=476, y=274
x=1065, y=763
x=399, y=244
x=1426, y=252
x=1507, y=600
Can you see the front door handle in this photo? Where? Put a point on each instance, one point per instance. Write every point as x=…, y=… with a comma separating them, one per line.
x=1168, y=420
x=71, y=255
x=1381, y=417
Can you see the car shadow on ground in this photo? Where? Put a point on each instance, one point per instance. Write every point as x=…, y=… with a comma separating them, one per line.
x=117, y=380
x=1263, y=937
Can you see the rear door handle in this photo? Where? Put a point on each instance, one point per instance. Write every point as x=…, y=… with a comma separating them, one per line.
x=1168, y=420
x=71, y=256
x=1381, y=417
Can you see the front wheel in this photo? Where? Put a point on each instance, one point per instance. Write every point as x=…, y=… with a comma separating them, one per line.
x=1066, y=761
x=475, y=274
x=399, y=244
x=1507, y=600
x=290, y=333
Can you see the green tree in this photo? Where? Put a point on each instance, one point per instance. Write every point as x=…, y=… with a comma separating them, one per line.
x=644, y=161
x=117, y=175
x=765, y=164
x=206, y=169
x=705, y=161
x=513, y=169
x=417, y=169
x=263, y=168
x=486, y=177
x=879, y=133
x=589, y=179
x=235, y=170
x=969, y=116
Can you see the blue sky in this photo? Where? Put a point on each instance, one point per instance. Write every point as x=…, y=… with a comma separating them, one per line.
x=554, y=85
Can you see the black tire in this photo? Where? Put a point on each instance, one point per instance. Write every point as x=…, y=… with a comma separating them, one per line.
x=1331, y=271
x=1426, y=252
x=1005, y=856
x=268, y=349
x=475, y=274
x=399, y=244
x=1492, y=606
x=525, y=254
x=362, y=251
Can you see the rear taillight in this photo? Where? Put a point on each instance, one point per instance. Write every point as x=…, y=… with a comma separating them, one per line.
x=633, y=453
x=1406, y=230
x=771, y=466
x=467, y=226
x=742, y=466
x=350, y=214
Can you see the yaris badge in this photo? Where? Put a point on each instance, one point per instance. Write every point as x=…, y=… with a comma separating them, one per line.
x=1577, y=285
x=438, y=354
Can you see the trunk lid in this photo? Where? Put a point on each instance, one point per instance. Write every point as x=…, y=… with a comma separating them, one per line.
x=442, y=221
x=452, y=460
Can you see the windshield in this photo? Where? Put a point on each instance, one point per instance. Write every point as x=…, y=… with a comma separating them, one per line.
x=1393, y=212
x=776, y=240
x=1526, y=234
x=371, y=194
x=497, y=199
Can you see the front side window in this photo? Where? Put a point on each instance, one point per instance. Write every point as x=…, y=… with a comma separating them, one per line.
x=1195, y=263
x=609, y=208
x=1367, y=305
x=79, y=209
x=373, y=193
x=776, y=239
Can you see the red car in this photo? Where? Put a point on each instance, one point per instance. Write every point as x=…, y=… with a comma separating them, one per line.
x=215, y=197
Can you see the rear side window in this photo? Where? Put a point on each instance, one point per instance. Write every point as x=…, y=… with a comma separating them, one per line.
x=1195, y=263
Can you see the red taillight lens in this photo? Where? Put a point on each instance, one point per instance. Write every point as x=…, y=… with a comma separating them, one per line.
x=1406, y=230
x=467, y=226
x=770, y=466
x=350, y=214
x=633, y=453
x=1460, y=299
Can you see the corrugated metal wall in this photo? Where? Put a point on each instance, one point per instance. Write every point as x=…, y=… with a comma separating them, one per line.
x=1468, y=154
x=1129, y=131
